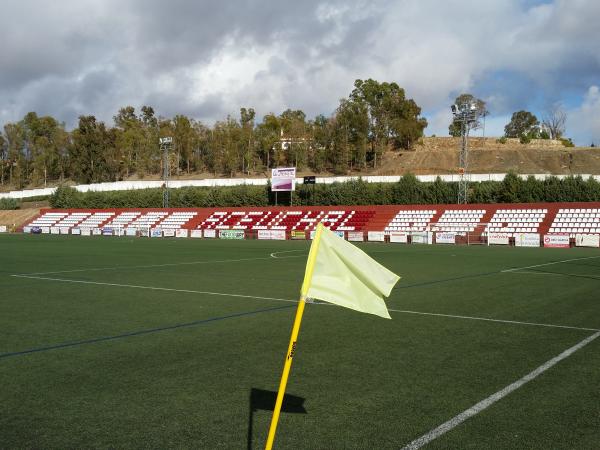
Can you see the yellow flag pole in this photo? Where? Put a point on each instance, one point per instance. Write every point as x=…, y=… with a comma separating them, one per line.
x=310, y=266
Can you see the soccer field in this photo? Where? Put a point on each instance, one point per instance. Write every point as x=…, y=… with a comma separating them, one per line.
x=176, y=343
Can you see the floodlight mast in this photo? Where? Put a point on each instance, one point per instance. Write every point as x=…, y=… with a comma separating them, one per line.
x=165, y=144
x=467, y=115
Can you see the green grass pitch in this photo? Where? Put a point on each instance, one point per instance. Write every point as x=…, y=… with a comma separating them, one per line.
x=158, y=343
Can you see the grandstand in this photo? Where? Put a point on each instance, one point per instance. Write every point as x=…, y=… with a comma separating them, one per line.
x=469, y=223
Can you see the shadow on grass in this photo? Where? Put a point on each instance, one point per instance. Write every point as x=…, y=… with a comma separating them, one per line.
x=265, y=400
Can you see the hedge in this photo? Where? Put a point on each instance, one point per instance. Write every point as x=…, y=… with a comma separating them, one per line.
x=9, y=203
x=409, y=190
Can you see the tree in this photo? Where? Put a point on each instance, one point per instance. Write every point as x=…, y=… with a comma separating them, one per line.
x=554, y=120
x=93, y=151
x=522, y=123
x=455, y=128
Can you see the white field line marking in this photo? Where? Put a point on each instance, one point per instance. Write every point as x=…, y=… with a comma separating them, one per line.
x=188, y=291
x=514, y=269
x=274, y=254
x=476, y=409
x=148, y=266
x=558, y=274
x=514, y=322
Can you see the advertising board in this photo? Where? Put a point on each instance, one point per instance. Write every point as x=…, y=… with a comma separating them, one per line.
x=4, y=229
x=168, y=232
x=210, y=233
x=283, y=179
x=130, y=231
x=96, y=232
x=445, y=238
x=181, y=233
x=76, y=231
x=86, y=231
x=196, y=233
x=340, y=234
x=419, y=237
x=298, y=234
x=107, y=231
x=587, y=240
x=398, y=237
x=557, y=240
x=54, y=230
x=278, y=235
x=356, y=236
x=64, y=230
x=527, y=239
x=156, y=233
x=231, y=234
x=498, y=238
x=25, y=229
x=45, y=230
x=375, y=236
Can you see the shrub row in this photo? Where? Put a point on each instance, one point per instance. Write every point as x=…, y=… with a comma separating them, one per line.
x=8, y=203
x=409, y=190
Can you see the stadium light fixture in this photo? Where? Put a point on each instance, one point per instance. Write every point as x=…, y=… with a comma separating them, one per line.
x=467, y=115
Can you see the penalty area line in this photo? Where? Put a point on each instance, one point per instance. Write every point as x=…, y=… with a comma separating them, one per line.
x=489, y=401
x=153, y=288
x=514, y=269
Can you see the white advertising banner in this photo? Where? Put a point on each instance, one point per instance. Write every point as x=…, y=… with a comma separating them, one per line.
x=76, y=231
x=155, y=232
x=210, y=233
x=45, y=230
x=398, y=237
x=54, y=230
x=376, y=236
x=64, y=230
x=356, y=236
x=130, y=231
x=587, y=240
x=419, y=237
x=557, y=240
x=277, y=235
x=527, y=239
x=3, y=229
x=283, y=179
x=181, y=233
x=168, y=232
x=86, y=231
x=498, y=238
x=25, y=229
x=445, y=238
x=196, y=233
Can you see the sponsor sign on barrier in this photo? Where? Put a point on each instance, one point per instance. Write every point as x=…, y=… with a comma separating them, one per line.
x=231, y=234
x=419, y=238
x=130, y=231
x=587, y=240
x=156, y=233
x=54, y=230
x=278, y=235
x=169, y=232
x=196, y=233
x=181, y=233
x=340, y=234
x=45, y=230
x=527, y=240
x=86, y=231
x=498, y=238
x=3, y=229
x=25, y=229
x=97, y=232
x=356, y=236
x=283, y=179
x=210, y=233
x=376, y=236
x=298, y=234
x=76, y=231
x=107, y=231
x=398, y=237
x=64, y=230
x=445, y=238
x=557, y=240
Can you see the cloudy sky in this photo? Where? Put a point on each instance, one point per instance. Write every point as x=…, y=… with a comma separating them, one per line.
x=207, y=59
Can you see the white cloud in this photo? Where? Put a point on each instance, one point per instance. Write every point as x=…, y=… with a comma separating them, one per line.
x=583, y=122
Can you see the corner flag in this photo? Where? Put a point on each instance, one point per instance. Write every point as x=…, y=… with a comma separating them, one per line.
x=339, y=273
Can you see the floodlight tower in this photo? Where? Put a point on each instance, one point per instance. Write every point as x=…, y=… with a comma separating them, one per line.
x=467, y=115
x=165, y=144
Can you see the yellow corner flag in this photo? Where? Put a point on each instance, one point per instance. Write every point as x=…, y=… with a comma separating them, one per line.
x=340, y=273
x=347, y=276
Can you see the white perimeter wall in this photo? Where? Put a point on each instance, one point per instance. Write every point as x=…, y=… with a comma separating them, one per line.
x=127, y=185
